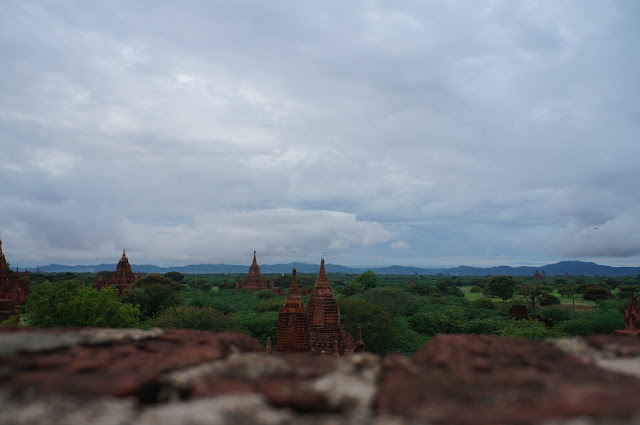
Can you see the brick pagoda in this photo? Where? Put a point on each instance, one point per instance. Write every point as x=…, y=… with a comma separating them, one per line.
x=14, y=290
x=122, y=278
x=323, y=315
x=293, y=327
x=255, y=282
x=631, y=318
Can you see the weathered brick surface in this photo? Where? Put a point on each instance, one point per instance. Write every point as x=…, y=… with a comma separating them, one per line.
x=79, y=376
x=465, y=379
x=119, y=367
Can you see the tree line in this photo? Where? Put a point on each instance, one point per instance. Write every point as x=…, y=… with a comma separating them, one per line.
x=394, y=316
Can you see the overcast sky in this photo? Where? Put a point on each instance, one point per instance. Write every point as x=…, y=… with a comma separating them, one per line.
x=417, y=133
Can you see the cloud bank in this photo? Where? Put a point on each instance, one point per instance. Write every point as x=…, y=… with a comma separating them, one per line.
x=416, y=133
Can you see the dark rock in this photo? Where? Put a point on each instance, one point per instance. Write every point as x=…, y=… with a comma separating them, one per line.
x=518, y=312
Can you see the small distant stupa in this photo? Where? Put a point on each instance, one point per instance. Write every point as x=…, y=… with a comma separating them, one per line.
x=255, y=282
x=122, y=278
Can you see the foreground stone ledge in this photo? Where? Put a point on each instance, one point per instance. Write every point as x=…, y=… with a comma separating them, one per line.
x=130, y=377
x=110, y=362
x=464, y=379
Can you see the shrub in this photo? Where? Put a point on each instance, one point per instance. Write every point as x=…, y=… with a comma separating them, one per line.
x=601, y=321
x=153, y=293
x=378, y=327
x=486, y=326
x=438, y=321
x=264, y=294
x=396, y=301
x=447, y=288
x=548, y=299
x=533, y=329
x=67, y=304
x=175, y=276
x=475, y=289
x=202, y=285
x=595, y=293
x=556, y=314
x=403, y=339
x=203, y=318
x=351, y=289
x=273, y=304
x=625, y=290
x=484, y=303
x=259, y=325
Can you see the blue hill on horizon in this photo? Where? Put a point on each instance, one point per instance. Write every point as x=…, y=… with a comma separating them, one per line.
x=575, y=268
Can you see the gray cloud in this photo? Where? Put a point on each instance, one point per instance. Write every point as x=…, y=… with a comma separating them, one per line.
x=488, y=133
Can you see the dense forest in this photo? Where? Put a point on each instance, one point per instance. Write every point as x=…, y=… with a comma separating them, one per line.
x=394, y=314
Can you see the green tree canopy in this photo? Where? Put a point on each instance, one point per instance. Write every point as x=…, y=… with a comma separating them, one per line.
x=500, y=286
x=175, y=276
x=595, y=294
x=203, y=318
x=367, y=280
x=67, y=304
x=397, y=301
x=153, y=293
x=378, y=330
x=532, y=291
x=202, y=284
x=548, y=299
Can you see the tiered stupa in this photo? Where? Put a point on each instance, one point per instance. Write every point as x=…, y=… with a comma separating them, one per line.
x=122, y=278
x=14, y=290
x=293, y=327
x=254, y=282
x=323, y=314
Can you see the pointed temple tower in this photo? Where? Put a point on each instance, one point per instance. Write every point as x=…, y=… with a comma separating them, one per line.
x=122, y=278
x=323, y=315
x=14, y=290
x=254, y=282
x=293, y=328
x=359, y=348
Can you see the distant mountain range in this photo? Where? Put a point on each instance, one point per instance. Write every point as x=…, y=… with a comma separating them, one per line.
x=575, y=268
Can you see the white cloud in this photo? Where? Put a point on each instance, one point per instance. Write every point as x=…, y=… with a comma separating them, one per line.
x=615, y=237
x=399, y=245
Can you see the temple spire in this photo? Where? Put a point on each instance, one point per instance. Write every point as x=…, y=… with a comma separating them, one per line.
x=293, y=289
x=322, y=276
x=254, y=257
x=293, y=326
x=359, y=343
